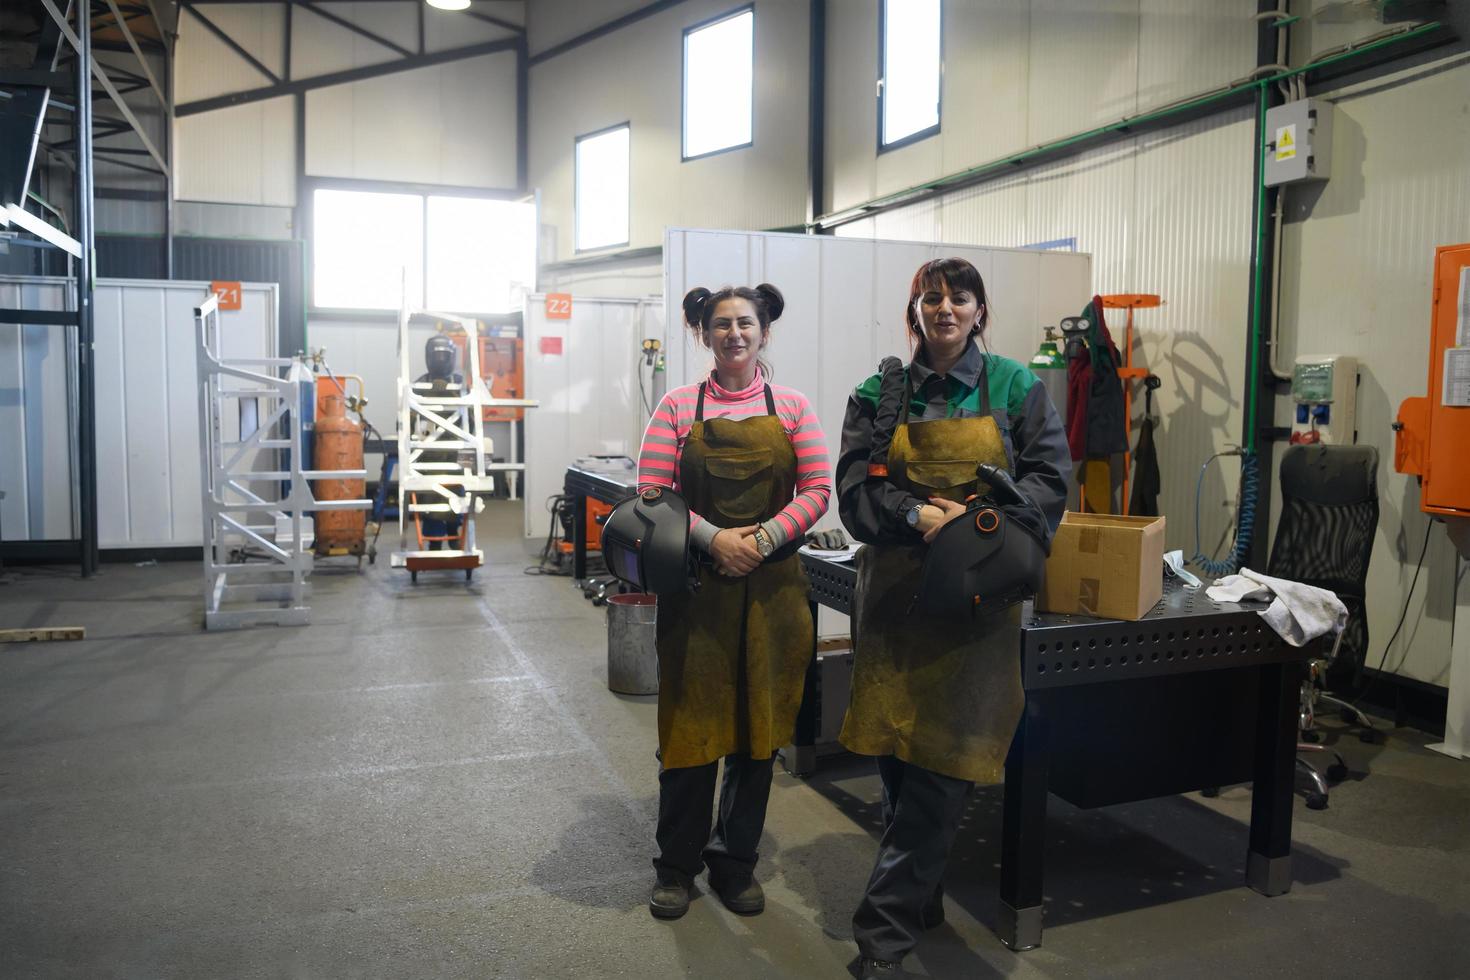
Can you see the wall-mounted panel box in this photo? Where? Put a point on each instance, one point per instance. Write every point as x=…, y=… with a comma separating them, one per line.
x=1298, y=142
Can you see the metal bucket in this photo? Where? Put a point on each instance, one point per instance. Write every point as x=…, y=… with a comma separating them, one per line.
x=632, y=656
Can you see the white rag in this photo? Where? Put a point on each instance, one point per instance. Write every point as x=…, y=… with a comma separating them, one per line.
x=1298, y=613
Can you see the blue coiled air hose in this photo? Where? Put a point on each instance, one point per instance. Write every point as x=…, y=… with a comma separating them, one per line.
x=1250, y=482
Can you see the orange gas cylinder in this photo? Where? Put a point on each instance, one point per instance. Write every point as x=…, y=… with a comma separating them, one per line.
x=338, y=447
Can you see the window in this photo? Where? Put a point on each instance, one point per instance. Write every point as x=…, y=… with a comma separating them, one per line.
x=719, y=63
x=455, y=254
x=602, y=189
x=910, y=62
x=362, y=245
x=482, y=254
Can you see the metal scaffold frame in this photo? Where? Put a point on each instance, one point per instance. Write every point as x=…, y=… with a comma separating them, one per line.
x=452, y=421
x=229, y=504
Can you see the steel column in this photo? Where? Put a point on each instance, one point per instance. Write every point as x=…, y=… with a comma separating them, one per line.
x=86, y=366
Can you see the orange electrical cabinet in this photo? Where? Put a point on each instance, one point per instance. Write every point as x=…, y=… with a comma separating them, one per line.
x=503, y=369
x=1432, y=434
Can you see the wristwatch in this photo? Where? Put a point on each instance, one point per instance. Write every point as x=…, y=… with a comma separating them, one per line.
x=763, y=543
x=912, y=517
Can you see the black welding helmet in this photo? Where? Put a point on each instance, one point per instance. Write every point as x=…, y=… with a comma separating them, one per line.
x=991, y=558
x=645, y=541
x=440, y=357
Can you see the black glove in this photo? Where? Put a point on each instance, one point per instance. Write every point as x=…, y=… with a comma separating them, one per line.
x=830, y=540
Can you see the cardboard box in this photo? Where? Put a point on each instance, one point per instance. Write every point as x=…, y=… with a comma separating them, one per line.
x=1104, y=565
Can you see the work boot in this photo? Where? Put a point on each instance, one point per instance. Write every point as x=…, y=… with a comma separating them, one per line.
x=741, y=894
x=670, y=896
x=871, y=969
x=933, y=914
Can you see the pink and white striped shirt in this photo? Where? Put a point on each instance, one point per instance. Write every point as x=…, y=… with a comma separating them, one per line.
x=663, y=445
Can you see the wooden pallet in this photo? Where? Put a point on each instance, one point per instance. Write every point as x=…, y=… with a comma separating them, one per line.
x=45, y=633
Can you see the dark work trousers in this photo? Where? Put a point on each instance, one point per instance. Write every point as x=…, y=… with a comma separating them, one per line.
x=921, y=815
x=685, y=804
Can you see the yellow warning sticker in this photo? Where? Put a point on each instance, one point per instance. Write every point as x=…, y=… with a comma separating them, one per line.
x=1286, y=143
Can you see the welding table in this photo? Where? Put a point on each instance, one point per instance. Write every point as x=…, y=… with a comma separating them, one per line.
x=1195, y=695
x=608, y=487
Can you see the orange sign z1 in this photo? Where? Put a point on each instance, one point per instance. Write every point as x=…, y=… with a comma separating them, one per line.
x=228, y=293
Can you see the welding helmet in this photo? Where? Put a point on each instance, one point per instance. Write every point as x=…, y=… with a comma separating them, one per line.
x=987, y=560
x=645, y=541
x=440, y=357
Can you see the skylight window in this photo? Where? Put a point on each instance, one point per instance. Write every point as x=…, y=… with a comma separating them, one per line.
x=719, y=92
x=602, y=188
x=908, y=99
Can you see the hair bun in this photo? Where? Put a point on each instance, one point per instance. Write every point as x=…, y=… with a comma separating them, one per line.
x=775, y=302
x=694, y=303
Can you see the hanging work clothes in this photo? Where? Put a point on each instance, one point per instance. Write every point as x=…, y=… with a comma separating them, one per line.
x=1095, y=423
x=1143, y=499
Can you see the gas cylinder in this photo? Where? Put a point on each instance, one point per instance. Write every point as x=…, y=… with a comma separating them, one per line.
x=1049, y=365
x=338, y=447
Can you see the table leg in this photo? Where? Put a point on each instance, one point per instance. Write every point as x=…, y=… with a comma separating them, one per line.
x=579, y=538
x=1023, y=832
x=800, y=757
x=1268, y=865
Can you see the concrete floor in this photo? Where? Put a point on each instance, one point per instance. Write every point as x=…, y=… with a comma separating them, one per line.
x=433, y=780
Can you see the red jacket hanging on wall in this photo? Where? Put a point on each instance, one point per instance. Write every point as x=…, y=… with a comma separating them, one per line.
x=1095, y=392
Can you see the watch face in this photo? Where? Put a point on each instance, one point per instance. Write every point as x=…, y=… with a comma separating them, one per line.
x=913, y=516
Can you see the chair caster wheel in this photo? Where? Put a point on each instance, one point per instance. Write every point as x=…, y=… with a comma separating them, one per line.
x=1370, y=737
x=1210, y=792
x=1312, y=737
x=1336, y=772
x=1316, y=801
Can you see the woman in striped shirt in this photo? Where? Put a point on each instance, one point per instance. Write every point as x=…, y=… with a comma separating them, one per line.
x=751, y=460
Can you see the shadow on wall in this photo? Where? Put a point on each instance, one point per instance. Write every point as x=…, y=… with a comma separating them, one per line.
x=1196, y=377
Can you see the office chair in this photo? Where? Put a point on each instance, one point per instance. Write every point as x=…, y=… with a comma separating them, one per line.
x=1329, y=513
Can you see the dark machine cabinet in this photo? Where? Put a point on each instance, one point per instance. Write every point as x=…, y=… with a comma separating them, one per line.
x=1197, y=694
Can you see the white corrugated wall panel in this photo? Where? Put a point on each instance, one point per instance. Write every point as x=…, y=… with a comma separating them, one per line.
x=35, y=426
x=448, y=124
x=319, y=46
x=987, y=49
x=241, y=155
x=445, y=29
x=205, y=66
x=633, y=77
x=550, y=22
x=1188, y=46
x=1357, y=280
x=147, y=408
x=1083, y=65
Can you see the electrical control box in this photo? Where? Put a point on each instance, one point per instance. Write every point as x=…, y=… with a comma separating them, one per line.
x=1298, y=142
x=1324, y=392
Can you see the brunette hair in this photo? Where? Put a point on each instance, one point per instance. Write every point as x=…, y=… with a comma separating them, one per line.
x=700, y=303
x=956, y=273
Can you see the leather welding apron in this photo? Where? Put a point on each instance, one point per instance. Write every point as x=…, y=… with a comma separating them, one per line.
x=732, y=655
x=941, y=694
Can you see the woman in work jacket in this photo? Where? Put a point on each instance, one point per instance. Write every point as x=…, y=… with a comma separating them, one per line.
x=750, y=459
x=936, y=701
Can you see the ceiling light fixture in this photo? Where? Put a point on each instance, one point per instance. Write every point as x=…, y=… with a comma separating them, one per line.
x=450, y=4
